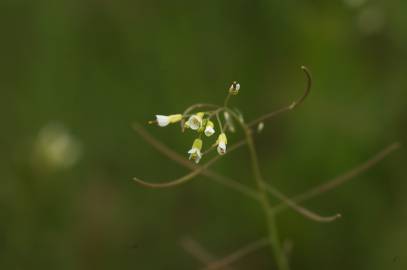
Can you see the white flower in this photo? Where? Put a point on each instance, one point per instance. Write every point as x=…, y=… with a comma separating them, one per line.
x=234, y=88
x=195, y=121
x=222, y=142
x=195, y=152
x=209, y=130
x=165, y=120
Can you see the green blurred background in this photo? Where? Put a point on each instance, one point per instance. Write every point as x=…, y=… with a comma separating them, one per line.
x=74, y=76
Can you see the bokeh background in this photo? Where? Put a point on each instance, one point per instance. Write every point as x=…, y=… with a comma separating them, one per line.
x=74, y=76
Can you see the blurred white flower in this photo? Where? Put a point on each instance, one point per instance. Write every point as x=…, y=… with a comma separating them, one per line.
x=55, y=148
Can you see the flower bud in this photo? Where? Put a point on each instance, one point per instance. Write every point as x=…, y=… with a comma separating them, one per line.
x=222, y=142
x=165, y=120
x=195, y=152
x=260, y=127
x=234, y=88
x=209, y=129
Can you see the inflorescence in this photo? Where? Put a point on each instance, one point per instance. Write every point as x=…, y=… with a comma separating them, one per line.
x=200, y=118
x=202, y=123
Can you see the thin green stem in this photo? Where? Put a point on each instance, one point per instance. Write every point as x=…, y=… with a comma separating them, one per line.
x=237, y=255
x=229, y=182
x=278, y=253
x=225, y=104
x=219, y=122
x=273, y=236
x=341, y=179
x=289, y=107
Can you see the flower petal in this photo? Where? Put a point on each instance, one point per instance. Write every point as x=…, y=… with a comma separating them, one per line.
x=162, y=120
x=209, y=131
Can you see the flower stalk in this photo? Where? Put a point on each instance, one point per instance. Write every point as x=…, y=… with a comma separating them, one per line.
x=200, y=122
x=273, y=236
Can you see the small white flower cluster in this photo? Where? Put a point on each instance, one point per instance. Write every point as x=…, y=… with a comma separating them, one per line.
x=199, y=122
x=202, y=124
